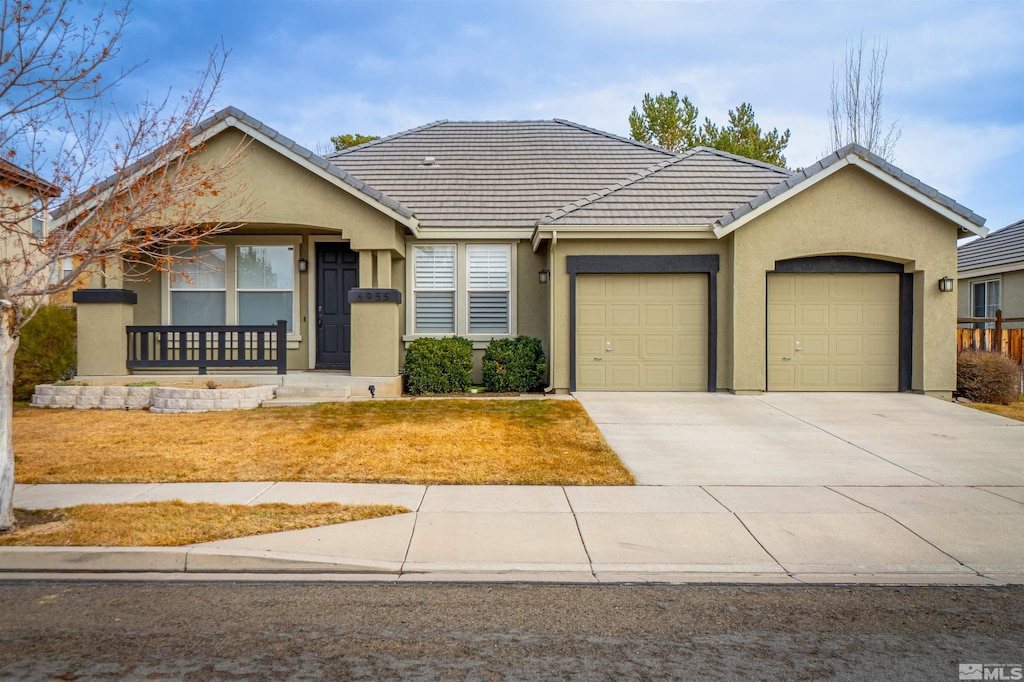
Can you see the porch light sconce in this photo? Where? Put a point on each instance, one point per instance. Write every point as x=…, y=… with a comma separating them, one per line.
x=303, y=265
x=946, y=284
x=543, y=276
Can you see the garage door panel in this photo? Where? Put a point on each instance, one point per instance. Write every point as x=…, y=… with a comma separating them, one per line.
x=847, y=345
x=846, y=326
x=881, y=316
x=623, y=287
x=848, y=315
x=656, y=326
x=658, y=346
x=658, y=377
x=694, y=316
x=623, y=377
x=812, y=315
x=690, y=348
x=813, y=377
x=782, y=376
x=591, y=374
x=590, y=345
x=624, y=315
x=783, y=316
x=589, y=316
x=657, y=315
x=812, y=345
x=624, y=346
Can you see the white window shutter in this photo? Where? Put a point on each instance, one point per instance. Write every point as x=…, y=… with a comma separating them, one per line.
x=434, y=289
x=489, y=275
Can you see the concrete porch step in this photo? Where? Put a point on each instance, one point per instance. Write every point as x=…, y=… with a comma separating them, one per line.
x=299, y=396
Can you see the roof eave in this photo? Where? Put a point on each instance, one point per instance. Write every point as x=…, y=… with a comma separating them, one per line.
x=793, y=186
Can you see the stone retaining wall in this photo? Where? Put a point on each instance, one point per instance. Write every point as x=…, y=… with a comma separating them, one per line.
x=160, y=399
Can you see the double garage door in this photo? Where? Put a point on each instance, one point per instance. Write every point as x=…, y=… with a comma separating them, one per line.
x=649, y=332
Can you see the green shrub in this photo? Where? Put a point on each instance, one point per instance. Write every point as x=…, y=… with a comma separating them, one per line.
x=46, y=352
x=987, y=377
x=516, y=365
x=438, y=365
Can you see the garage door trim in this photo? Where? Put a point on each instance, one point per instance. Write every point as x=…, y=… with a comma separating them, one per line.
x=860, y=265
x=641, y=265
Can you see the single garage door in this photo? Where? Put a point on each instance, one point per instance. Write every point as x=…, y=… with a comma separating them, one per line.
x=642, y=332
x=833, y=332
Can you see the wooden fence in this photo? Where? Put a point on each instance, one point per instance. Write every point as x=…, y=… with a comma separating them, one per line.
x=1009, y=342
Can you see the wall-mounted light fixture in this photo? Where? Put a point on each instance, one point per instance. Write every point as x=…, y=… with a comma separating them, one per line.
x=303, y=265
x=543, y=276
x=946, y=284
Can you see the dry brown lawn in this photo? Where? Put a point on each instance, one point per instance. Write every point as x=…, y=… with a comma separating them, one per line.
x=172, y=524
x=1014, y=410
x=543, y=442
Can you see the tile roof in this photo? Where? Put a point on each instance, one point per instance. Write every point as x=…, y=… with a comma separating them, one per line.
x=836, y=157
x=695, y=188
x=1000, y=247
x=255, y=125
x=16, y=175
x=495, y=174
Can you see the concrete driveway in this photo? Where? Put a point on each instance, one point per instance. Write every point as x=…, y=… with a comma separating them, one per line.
x=807, y=439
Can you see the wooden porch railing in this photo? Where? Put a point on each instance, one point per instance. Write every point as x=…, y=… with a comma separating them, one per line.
x=169, y=347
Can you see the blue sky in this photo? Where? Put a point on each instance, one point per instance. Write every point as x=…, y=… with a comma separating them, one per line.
x=312, y=69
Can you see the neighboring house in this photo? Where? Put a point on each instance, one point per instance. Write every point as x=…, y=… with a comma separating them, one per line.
x=990, y=273
x=23, y=217
x=639, y=269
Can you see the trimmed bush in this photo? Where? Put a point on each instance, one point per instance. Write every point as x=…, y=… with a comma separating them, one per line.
x=515, y=365
x=46, y=352
x=438, y=365
x=987, y=377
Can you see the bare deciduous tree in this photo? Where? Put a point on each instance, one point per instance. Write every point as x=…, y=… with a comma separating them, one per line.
x=855, y=112
x=58, y=136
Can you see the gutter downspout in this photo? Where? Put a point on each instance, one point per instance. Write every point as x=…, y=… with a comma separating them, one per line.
x=551, y=313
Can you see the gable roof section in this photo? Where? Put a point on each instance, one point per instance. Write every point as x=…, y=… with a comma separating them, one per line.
x=693, y=189
x=232, y=117
x=852, y=155
x=18, y=176
x=495, y=174
x=1000, y=251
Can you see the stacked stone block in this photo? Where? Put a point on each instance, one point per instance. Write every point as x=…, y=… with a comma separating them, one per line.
x=160, y=399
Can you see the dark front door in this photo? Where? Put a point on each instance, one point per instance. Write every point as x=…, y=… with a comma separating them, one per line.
x=337, y=271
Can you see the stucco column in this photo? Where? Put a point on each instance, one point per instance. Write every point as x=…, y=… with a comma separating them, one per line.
x=375, y=331
x=103, y=315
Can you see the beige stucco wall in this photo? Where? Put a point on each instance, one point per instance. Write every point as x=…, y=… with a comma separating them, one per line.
x=659, y=247
x=850, y=213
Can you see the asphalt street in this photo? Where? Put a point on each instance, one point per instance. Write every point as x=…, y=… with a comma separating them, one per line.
x=305, y=631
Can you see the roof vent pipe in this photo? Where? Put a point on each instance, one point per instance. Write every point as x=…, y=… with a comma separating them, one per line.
x=429, y=161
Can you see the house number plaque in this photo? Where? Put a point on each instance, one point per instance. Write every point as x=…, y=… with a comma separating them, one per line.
x=374, y=296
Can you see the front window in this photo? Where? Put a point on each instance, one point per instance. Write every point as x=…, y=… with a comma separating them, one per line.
x=463, y=289
x=434, y=289
x=199, y=288
x=985, y=300
x=236, y=284
x=489, y=276
x=265, y=284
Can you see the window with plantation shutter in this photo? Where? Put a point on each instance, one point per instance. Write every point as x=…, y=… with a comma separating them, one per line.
x=488, y=285
x=434, y=289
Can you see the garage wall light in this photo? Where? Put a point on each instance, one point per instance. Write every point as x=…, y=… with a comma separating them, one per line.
x=946, y=284
x=303, y=265
x=543, y=276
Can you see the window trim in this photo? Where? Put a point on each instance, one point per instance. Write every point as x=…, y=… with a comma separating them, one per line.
x=231, y=244
x=462, y=291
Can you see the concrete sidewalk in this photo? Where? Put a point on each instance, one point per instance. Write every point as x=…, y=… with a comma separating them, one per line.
x=674, y=533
